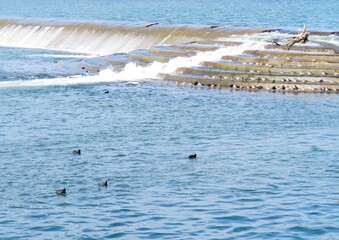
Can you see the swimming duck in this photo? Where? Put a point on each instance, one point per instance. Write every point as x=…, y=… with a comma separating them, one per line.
x=78, y=152
x=192, y=156
x=60, y=191
x=103, y=184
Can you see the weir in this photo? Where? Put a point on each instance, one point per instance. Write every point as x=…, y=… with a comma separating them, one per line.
x=104, y=38
x=208, y=56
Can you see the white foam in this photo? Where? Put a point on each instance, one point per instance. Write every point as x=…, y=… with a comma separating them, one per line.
x=135, y=72
x=333, y=39
x=62, y=81
x=64, y=55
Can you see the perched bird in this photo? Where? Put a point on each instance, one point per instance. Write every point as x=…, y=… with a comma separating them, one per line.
x=60, y=191
x=77, y=152
x=192, y=156
x=103, y=184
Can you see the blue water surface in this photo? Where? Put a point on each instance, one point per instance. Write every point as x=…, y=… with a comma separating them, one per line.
x=287, y=14
x=28, y=64
x=267, y=165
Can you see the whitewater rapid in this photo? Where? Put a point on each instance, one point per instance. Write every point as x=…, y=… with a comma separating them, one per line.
x=134, y=72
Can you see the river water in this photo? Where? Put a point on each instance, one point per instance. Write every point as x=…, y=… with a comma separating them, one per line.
x=267, y=164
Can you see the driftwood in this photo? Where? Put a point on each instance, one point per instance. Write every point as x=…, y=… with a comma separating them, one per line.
x=151, y=24
x=300, y=37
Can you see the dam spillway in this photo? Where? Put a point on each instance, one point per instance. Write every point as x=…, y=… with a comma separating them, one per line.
x=103, y=37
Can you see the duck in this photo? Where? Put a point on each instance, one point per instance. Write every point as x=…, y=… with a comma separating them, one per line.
x=60, y=191
x=192, y=156
x=77, y=152
x=103, y=184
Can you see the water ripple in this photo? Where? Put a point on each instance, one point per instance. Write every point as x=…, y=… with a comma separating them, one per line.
x=261, y=182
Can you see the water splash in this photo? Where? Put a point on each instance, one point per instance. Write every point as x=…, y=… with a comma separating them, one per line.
x=133, y=72
x=332, y=39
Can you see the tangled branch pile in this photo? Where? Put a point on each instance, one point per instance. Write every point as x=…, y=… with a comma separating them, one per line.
x=300, y=37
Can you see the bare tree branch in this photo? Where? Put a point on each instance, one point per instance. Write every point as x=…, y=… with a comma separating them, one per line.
x=300, y=37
